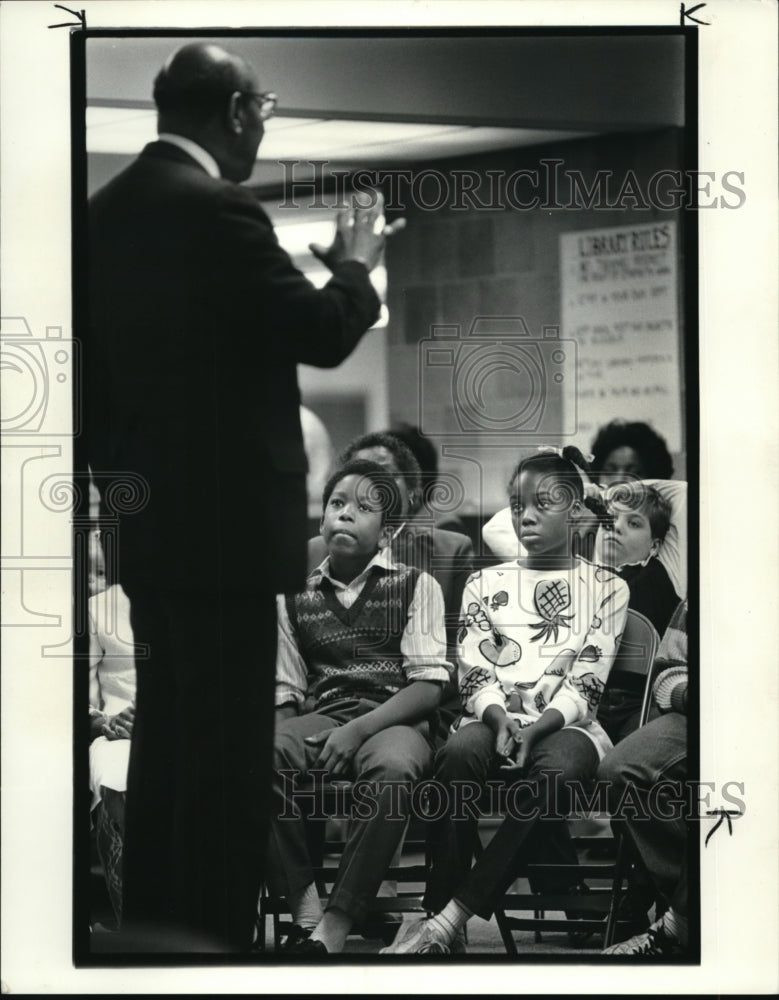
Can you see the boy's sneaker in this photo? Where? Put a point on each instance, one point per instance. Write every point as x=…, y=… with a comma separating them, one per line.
x=654, y=943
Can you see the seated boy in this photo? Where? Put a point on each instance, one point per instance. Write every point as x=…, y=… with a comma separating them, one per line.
x=630, y=542
x=652, y=757
x=360, y=669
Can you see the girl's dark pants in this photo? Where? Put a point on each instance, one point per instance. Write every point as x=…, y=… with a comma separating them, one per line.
x=539, y=798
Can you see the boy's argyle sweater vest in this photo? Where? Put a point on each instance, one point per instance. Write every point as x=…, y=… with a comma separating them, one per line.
x=353, y=652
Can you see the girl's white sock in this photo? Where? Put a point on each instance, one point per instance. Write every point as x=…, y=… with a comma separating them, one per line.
x=306, y=908
x=449, y=921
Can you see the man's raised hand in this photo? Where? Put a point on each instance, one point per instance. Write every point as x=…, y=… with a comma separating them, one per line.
x=360, y=234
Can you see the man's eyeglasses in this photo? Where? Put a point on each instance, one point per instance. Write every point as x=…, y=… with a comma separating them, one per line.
x=265, y=102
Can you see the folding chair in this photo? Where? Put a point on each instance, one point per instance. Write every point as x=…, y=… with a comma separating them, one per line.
x=599, y=906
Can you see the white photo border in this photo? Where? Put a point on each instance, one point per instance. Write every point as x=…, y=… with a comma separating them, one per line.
x=739, y=558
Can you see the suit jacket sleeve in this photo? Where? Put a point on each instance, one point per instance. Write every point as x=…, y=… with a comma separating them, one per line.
x=299, y=323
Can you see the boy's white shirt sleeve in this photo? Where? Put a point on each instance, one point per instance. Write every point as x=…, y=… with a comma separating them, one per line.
x=583, y=685
x=499, y=534
x=291, y=671
x=423, y=643
x=478, y=684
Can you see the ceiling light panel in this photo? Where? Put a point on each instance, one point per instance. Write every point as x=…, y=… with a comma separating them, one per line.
x=127, y=130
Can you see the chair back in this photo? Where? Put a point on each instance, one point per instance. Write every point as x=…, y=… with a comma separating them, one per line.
x=636, y=654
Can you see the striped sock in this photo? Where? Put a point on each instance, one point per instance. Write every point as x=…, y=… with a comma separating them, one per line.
x=675, y=926
x=449, y=921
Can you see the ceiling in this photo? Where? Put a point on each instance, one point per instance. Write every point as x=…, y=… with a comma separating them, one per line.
x=357, y=100
x=126, y=130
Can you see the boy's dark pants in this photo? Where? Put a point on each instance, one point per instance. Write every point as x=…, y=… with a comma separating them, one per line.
x=469, y=757
x=656, y=752
x=394, y=759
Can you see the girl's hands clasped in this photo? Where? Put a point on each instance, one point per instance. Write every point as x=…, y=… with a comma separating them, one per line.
x=507, y=736
x=525, y=739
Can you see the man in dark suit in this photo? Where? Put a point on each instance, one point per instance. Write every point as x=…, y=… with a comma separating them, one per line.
x=196, y=322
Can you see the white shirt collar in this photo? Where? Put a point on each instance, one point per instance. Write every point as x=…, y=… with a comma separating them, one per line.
x=200, y=155
x=383, y=559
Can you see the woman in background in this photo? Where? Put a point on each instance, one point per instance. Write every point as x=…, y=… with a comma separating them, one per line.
x=622, y=452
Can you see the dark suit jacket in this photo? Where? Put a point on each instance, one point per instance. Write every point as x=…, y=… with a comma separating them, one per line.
x=197, y=320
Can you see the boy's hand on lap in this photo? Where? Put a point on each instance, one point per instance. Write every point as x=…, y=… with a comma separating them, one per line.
x=338, y=747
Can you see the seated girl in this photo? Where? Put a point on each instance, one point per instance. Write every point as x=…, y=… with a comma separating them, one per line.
x=536, y=643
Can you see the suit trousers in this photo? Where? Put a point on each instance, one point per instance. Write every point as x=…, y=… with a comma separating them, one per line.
x=387, y=766
x=534, y=801
x=199, y=774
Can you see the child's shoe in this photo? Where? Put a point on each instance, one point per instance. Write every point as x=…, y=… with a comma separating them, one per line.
x=296, y=936
x=418, y=938
x=654, y=943
x=310, y=948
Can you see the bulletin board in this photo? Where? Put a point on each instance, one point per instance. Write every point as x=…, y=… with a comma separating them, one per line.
x=619, y=292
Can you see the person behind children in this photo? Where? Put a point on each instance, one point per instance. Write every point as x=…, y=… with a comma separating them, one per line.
x=622, y=452
x=639, y=520
x=111, y=715
x=650, y=757
x=425, y=452
x=537, y=640
x=360, y=669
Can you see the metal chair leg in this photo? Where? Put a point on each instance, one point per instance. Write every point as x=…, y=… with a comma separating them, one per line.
x=505, y=932
x=616, y=892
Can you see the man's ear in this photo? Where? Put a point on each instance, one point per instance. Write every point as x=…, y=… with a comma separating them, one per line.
x=654, y=548
x=385, y=537
x=234, y=113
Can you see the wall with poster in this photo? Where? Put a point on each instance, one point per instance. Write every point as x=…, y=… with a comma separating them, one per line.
x=619, y=303
x=451, y=266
